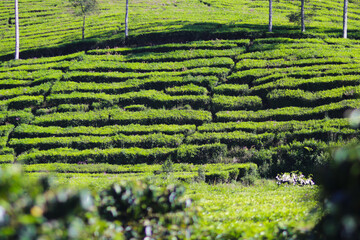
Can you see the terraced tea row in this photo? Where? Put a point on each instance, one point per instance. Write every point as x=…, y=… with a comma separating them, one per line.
x=193, y=106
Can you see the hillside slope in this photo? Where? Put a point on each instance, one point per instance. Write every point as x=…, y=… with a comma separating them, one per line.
x=45, y=27
x=277, y=102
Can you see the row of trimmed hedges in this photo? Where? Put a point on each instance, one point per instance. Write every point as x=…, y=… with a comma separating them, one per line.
x=86, y=142
x=247, y=64
x=171, y=56
x=333, y=110
x=120, y=117
x=307, y=157
x=17, y=91
x=255, y=75
x=104, y=77
x=319, y=83
x=231, y=174
x=16, y=117
x=217, y=44
x=297, y=97
x=313, y=51
x=185, y=154
x=150, y=67
x=22, y=102
x=274, y=126
x=137, y=168
x=34, y=131
x=223, y=102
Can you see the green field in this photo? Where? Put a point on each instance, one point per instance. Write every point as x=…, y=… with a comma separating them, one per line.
x=210, y=92
x=165, y=21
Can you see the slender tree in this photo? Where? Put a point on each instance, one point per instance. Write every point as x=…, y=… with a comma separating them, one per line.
x=270, y=16
x=302, y=15
x=127, y=19
x=84, y=8
x=17, y=35
x=346, y=3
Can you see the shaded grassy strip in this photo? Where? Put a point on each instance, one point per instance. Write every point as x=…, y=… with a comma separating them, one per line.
x=78, y=76
x=212, y=44
x=179, y=55
x=150, y=67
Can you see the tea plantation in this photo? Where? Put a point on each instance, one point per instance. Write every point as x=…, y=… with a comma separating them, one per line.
x=277, y=102
x=195, y=97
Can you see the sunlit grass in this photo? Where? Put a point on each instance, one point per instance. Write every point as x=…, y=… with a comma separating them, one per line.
x=230, y=210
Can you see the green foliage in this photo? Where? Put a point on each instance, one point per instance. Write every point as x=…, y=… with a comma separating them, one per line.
x=31, y=131
x=35, y=209
x=231, y=138
x=135, y=108
x=222, y=102
x=145, y=211
x=106, y=117
x=86, y=142
x=333, y=110
x=94, y=65
x=212, y=44
x=110, y=155
x=232, y=89
x=220, y=177
x=144, y=113
x=84, y=7
x=200, y=154
x=282, y=98
x=30, y=209
x=167, y=166
x=190, y=89
x=340, y=195
x=72, y=108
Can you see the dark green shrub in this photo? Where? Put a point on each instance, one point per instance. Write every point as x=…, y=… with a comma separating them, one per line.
x=148, y=212
x=34, y=209
x=73, y=108
x=248, y=173
x=340, y=197
x=218, y=177
x=200, y=154
x=233, y=174
x=31, y=210
x=168, y=166
x=135, y=108
x=201, y=175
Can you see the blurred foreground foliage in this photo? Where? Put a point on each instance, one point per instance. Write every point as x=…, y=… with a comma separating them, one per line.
x=33, y=209
x=340, y=198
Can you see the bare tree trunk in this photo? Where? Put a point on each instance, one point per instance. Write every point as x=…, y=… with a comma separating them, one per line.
x=83, y=27
x=346, y=2
x=302, y=15
x=17, y=37
x=270, y=15
x=127, y=19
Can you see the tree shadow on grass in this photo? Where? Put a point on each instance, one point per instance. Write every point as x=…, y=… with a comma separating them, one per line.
x=184, y=31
